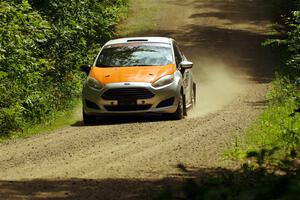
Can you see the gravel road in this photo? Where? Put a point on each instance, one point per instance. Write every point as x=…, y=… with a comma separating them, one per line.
x=120, y=158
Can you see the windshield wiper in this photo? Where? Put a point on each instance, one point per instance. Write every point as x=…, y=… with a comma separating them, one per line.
x=142, y=65
x=103, y=65
x=135, y=65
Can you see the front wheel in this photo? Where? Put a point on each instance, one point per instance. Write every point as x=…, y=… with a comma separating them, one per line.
x=181, y=109
x=88, y=119
x=194, y=95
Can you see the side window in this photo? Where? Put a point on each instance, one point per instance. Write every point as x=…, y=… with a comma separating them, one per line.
x=178, y=56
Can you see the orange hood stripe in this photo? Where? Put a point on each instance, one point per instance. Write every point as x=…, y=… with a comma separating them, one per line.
x=147, y=74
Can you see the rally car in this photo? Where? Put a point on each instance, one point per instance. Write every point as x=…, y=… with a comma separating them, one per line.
x=138, y=75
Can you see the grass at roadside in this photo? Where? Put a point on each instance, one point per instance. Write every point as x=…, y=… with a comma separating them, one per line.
x=278, y=127
x=54, y=121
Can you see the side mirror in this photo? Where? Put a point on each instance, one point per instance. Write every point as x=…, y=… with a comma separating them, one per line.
x=85, y=68
x=186, y=65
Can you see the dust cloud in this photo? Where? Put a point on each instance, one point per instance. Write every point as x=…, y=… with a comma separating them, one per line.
x=217, y=86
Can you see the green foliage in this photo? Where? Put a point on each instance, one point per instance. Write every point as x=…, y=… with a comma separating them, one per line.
x=21, y=65
x=272, y=144
x=279, y=125
x=293, y=64
x=41, y=43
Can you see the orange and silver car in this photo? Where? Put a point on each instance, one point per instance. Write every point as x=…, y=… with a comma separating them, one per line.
x=138, y=75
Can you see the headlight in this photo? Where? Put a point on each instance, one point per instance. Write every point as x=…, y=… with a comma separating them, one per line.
x=163, y=81
x=94, y=83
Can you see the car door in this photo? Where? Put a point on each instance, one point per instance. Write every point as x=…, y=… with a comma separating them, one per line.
x=186, y=74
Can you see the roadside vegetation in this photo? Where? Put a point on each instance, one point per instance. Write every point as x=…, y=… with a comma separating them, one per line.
x=279, y=125
x=270, y=150
x=41, y=45
x=278, y=128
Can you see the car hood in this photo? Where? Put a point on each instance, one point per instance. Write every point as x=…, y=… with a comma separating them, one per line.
x=148, y=74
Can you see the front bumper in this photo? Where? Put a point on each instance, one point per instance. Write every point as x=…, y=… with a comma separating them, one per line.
x=95, y=104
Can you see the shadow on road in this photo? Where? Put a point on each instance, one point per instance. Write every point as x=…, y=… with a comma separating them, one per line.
x=235, y=12
x=113, y=120
x=189, y=183
x=239, y=51
x=260, y=105
x=224, y=32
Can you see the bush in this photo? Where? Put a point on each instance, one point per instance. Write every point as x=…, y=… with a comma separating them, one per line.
x=293, y=64
x=41, y=45
x=279, y=125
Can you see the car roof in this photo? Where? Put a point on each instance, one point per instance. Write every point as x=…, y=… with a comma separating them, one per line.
x=139, y=39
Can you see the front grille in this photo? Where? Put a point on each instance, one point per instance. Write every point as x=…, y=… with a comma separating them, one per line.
x=130, y=93
x=128, y=108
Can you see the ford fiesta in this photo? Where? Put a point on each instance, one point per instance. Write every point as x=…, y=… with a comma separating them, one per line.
x=138, y=75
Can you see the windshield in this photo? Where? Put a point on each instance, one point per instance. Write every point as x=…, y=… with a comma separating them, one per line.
x=135, y=54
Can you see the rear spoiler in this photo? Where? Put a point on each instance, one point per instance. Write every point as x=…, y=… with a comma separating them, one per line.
x=138, y=40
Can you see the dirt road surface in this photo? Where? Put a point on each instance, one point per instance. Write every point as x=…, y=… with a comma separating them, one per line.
x=130, y=158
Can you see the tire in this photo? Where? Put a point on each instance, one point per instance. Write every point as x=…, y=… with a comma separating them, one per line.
x=88, y=119
x=194, y=96
x=184, y=109
x=181, y=109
